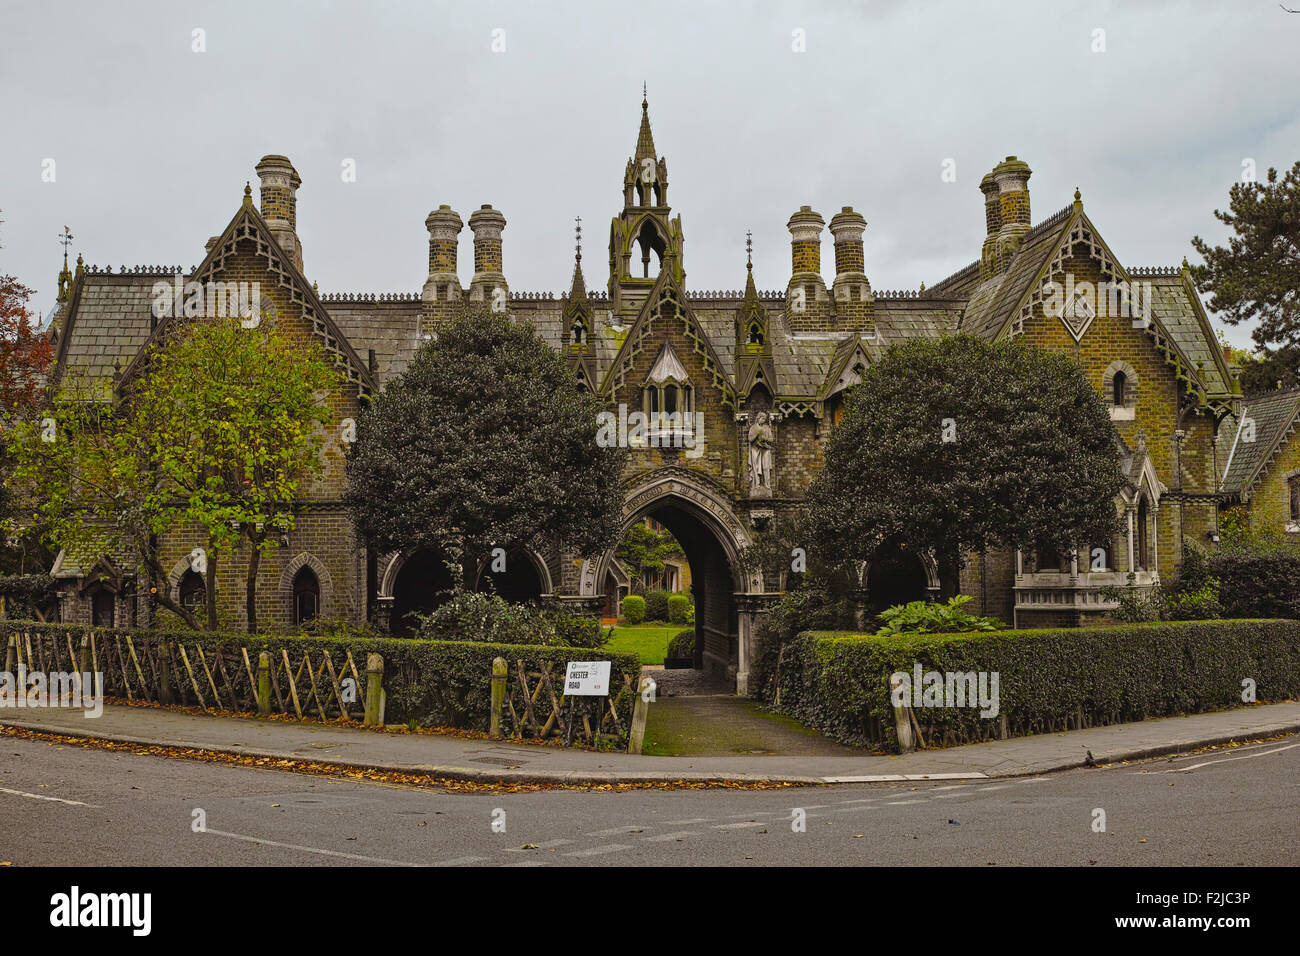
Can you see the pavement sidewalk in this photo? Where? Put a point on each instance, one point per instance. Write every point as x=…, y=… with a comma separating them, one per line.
x=496, y=761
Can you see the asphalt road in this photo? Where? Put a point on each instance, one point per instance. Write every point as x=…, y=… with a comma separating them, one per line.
x=66, y=805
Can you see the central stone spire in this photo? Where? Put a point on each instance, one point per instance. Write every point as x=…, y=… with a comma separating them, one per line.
x=643, y=226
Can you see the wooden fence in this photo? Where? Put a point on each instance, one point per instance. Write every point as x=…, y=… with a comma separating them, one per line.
x=525, y=705
x=182, y=672
x=317, y=683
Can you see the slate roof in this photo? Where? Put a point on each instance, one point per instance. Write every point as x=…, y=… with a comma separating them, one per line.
x=994, y=301
x=923, y=317
x=1275, y=418
x=1180, y=312
x=107, y=322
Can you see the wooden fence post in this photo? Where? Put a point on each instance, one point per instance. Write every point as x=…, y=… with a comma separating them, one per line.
x=165, y=672
x=498, y=694
x=640, y=711
x=902, y=720
x=374, y=691
x=11, y=649
x=264, y=683
x=83, y=656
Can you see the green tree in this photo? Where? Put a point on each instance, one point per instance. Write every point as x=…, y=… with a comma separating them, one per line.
x=643, y=552
x=221, y=430
x=958, y=444
x=484, y=441
x=1257, y=274
x=236, y=418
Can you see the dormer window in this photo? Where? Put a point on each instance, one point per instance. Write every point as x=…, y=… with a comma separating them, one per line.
x=667, y=395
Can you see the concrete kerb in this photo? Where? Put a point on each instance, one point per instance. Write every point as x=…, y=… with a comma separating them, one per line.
x=595, y=778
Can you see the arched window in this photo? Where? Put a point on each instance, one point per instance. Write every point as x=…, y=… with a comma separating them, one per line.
x=193, y=594
x=306, y=596
x=101, y=608
x=1117, y=387
x=755, y=335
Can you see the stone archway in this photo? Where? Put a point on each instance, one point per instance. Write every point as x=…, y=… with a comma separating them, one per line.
x=898, y=575
x=412, y=582
x=702, y=519
x=285, y=588
x=525, y=578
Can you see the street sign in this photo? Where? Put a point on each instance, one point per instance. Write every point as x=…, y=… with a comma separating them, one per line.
x=587, y=678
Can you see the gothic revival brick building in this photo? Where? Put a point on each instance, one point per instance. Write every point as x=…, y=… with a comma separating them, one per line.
x=765, y=375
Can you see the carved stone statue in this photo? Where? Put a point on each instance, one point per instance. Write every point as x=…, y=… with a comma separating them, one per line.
x=760, y=455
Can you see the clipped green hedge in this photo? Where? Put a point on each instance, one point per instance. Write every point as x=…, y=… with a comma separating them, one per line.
x=682, y=644
x=656, y=605
x=1049, y=680
x=678, y=605
x=633, y=609
x=437, y=683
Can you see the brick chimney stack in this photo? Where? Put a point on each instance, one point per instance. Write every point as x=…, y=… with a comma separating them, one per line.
x=444, y=226
x=806, y=286
x=487, y=224
x=279, y=194
x=847, y=227
x=1012, y=177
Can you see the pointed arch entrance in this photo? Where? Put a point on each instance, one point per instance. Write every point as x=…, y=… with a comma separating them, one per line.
x=701, y=518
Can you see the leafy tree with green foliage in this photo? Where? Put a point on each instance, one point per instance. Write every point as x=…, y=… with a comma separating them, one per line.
x=644, y=553
x=484, y=441
x=956, y=445
x=221, y=429
x=236, y=420
x=1257, y=274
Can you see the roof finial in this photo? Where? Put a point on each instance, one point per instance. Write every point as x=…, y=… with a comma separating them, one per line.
x=578, y=236
x=645, y=97
x=248, y=194
x=749, y=250
x=1078, y=197
x=66, y=239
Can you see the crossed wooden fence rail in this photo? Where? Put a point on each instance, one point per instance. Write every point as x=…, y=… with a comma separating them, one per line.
x=521, y=709
x=217, y=679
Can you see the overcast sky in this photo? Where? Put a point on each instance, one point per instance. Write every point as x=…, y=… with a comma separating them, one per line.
x=153, y=142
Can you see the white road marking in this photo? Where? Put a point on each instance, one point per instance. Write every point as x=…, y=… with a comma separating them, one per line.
x=1258, y=753
x=1001, y=786
x=675, y=835
x=888, y=777
x=618, y=831
x=740, y=826
x=686, y=823
x=461, y=861
x=902, y=803
x=526, y=863
x=310, y=849
x=597, y=851
x=40, y=796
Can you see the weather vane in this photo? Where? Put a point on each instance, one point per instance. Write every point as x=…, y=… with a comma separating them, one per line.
x=578, y=236
x=749, y=249
x=66, y=239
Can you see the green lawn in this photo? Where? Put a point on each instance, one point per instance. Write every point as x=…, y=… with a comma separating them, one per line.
x=648, y=640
